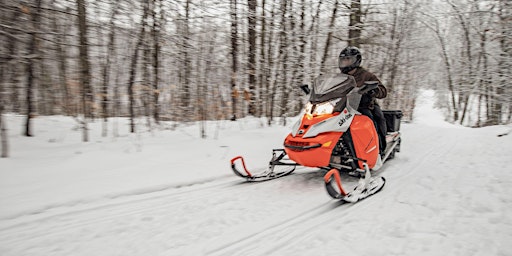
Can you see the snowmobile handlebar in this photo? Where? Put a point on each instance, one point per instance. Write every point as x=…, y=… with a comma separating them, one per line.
x=368, y=86
x=305, y=89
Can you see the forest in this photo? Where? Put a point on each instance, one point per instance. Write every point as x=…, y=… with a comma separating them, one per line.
x=199, y=60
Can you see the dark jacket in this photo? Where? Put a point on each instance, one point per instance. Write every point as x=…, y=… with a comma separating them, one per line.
x=362, y=75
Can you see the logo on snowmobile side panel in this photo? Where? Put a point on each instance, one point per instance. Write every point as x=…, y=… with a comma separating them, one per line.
x=345, y=118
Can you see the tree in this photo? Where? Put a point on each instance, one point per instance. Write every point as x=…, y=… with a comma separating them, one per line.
x=133, y=66
x=85, y=75
x=234, y=52
x=3, y=126
x=355, y=24
x=33, y=52
x=251, y=68
x=330, y=34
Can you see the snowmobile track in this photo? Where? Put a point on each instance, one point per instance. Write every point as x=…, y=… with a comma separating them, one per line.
x=174, y=193
x=277, y=236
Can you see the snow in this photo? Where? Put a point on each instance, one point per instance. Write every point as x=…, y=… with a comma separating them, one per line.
x=168, y=192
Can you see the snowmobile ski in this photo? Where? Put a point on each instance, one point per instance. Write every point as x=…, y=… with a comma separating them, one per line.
x=270, y=173
x=366, y=187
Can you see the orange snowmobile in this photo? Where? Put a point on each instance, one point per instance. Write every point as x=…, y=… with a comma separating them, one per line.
x=334, y=136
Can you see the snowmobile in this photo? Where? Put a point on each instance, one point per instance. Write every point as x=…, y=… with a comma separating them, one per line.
x=332, y=135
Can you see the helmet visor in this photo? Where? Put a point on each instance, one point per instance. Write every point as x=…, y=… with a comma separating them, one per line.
x=346, y=61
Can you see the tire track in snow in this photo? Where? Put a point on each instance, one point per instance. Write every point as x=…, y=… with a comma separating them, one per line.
x=195, y=191
x=295, y=236
x=122, y=210
x=282, y=234
x=242, y=245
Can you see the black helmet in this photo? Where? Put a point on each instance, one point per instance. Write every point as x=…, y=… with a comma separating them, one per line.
x=349, y=59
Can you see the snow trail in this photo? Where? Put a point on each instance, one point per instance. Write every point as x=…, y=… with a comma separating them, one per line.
x=447, y=193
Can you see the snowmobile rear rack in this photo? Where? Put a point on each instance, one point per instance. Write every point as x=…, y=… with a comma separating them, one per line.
x=269, y=174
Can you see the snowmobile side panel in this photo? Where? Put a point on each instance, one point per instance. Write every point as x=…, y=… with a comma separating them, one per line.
x=308, y=121
x=365, y=139
x=340, y=122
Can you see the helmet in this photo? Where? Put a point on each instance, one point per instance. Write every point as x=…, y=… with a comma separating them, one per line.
x=349, y=59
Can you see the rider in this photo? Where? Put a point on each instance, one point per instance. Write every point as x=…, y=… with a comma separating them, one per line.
x=349, y=63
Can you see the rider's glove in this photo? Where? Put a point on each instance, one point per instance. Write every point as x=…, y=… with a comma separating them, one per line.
x=372, y=93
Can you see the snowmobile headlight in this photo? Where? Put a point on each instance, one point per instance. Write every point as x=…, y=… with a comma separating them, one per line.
x=321, y=108
x=309, y=108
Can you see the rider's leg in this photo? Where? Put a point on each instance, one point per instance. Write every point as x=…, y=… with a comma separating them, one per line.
x=381, y=125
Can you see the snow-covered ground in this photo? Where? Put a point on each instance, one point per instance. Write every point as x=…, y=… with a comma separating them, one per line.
x=167, y=192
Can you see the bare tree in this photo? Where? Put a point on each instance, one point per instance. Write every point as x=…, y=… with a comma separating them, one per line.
x=329, y=35
x=160, y=56
x=157, y=26
x=85, y=75
x=133, y=66
x=251, y=68
x=234, y=52
x=33, y=52
x=433, y=24
x=355, y=24
x=3, y=125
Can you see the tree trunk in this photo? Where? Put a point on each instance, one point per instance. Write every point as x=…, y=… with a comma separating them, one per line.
x=85, y=75
x=3, y=126
x=251, y=18
x=156, y=61
x=3, y=135
x=133, y=67
x=355, y=24
x=147, y=95
x=503, y=62
x=106, y=67
x=269, y=62
x=33, y=52
x=468, y=77
x=186, y=46
x=329, y=36
x=283, y=73
x=263, y=69
x=447, y=65
x=394, y=52
x=234, y=51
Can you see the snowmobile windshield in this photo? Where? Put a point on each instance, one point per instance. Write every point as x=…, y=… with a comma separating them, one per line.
x=334, y=86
